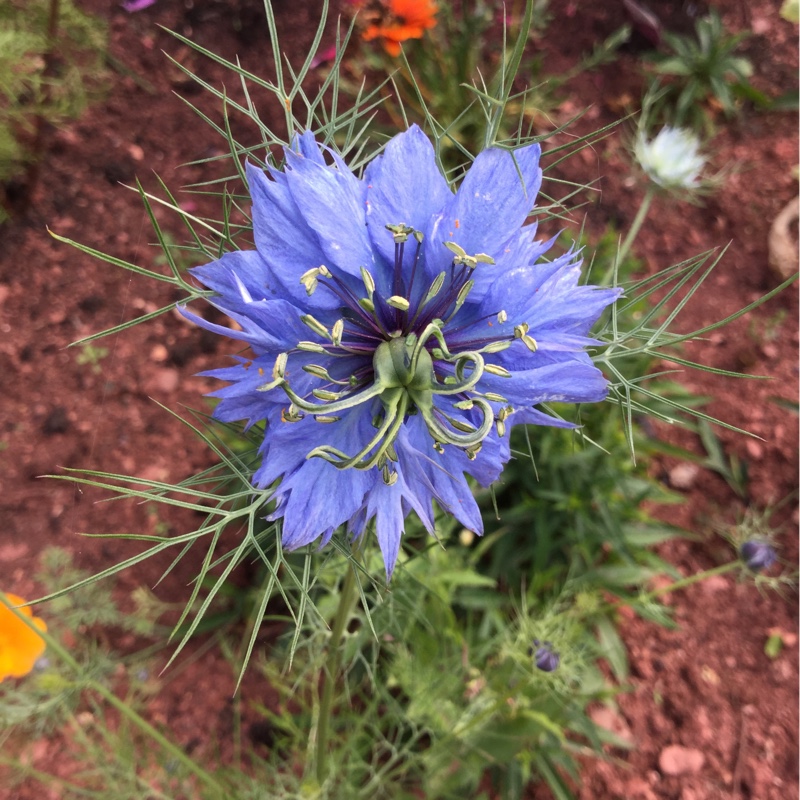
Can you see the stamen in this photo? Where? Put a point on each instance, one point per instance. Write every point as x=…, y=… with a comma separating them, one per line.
x=309, y=277
x=310, y=347
x=315, y=325
x=400, y=303
x=277, y=373
x=419, y=237
x=495, y=369
x=336, y=332
x=396, y=405
x=461, y=256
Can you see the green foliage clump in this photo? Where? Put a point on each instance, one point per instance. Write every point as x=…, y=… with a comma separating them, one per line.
x=449, y=80
x=701, y=70
x=51, y=55
x=51, y=694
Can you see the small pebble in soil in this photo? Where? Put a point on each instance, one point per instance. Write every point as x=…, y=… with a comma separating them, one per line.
x=755, y=450
x=678, y=760
x=769, y=351
x=613, y=721
x=683, y=476
x=159, y=353
x=163, y=380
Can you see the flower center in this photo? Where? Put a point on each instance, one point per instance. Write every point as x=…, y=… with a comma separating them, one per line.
x=412, y=369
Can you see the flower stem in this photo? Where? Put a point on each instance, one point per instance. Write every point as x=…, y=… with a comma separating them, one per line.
x=669, y=588
x=331, y=670
x=690, y=579
x=635, y=227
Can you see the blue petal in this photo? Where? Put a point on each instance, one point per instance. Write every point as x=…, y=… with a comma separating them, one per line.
x=306, y=145
x=286, y=245
x=532, y=416
x=332, y=203
x=313, y=495
x=439, y=475
x=404, y=185
x=269, y=326
x=491, y=205
x=569, y=382
x=384, y=503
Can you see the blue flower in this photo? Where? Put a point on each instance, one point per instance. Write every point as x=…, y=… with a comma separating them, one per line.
x=398, y=330
x=758, y=555
x=545, y=658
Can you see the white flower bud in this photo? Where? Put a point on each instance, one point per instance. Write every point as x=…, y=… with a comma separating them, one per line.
x=672, y=159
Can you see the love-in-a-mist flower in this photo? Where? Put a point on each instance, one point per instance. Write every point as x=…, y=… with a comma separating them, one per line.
x=545, y=658
x=398, y=330
x=392, y=22
x=758, y=555
x=672, y=159
x=20, y=646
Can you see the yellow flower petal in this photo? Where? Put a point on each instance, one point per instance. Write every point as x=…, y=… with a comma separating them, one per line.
x=20, y=647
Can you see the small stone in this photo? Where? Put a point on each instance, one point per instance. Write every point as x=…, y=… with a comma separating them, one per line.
x=11, y=552
x=703, y=722
x=782, y=671
x=164, y=380
x=683, y=476
x=159, y=353
x=678, y=760
x=755, y=449
x=714, y=584
x=709, y=675
x=136, y=152
x=612, y=721
x=770, y=351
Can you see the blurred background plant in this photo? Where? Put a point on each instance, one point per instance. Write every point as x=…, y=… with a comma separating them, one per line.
x=701, y=76
x=445, y=63
x=51, y=61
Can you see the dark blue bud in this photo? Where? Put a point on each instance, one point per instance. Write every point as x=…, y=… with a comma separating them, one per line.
x=547, y=660
x=757, y=555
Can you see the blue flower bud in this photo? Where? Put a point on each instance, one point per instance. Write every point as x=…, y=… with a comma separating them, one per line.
x=757, y=555
x=547, y=659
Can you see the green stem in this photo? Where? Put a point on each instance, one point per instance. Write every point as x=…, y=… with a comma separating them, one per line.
x=175, y=752
x=672, y=587
x=331, y=670
x=637, y=224
x=689, y=580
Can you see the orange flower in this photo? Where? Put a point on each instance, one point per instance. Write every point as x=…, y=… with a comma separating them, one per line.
x=403, y=19
x=19, y=645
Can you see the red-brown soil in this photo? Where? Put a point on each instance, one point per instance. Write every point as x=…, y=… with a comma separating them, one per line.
x=708, y=685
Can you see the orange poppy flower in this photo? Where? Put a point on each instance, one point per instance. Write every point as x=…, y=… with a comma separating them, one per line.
x=401, y=20
x=19, y=645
